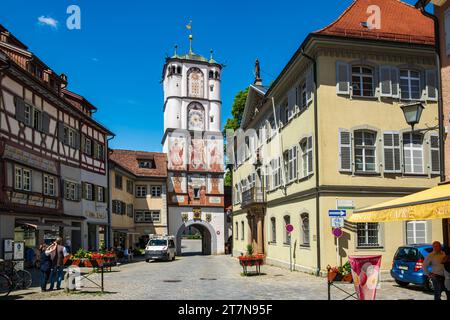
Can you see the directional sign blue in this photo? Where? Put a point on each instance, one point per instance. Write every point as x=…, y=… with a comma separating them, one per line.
x=337, y=213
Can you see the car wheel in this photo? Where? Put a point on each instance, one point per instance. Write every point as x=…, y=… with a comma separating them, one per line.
x=147, y=260
x=402, y=283
x=429, y=285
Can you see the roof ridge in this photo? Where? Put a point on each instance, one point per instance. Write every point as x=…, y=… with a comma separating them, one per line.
x=339, y=18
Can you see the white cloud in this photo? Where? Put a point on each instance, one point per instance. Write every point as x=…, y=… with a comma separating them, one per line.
x=48, y=21
x=95, y=59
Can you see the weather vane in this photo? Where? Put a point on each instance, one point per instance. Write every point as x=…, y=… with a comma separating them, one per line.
x=189, y=27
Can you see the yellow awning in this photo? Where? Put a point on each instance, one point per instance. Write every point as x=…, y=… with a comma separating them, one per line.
x=430, y=204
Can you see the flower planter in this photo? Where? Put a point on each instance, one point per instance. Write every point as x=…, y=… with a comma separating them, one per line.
x=251, y=261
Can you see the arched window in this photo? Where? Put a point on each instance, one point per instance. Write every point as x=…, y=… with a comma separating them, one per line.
x=304, y=227
x=287, y=236
x=211, y=74
x=217, y=75
x=195, y=83
x=362, y=81
x=365, y=147
x=273, y=230
x=196, y=117
x=178, y=70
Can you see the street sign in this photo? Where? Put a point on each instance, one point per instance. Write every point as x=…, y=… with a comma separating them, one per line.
x=337, y=232
x=337, y=222
x=342, y=204
x=337, y=213
x=289, y=228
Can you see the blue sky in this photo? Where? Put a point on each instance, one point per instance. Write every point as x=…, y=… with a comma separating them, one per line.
x=116, y=59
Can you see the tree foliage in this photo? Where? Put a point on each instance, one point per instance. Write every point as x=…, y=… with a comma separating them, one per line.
x=234, y=123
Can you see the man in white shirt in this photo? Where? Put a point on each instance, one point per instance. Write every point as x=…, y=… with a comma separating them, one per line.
x=435, y=260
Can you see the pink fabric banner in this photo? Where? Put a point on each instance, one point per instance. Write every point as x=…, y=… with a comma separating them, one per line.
x=366, y=275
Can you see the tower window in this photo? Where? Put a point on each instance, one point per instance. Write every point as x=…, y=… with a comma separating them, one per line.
x=196, y=193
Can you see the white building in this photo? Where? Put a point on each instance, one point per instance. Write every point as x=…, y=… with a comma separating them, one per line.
x=194, y=144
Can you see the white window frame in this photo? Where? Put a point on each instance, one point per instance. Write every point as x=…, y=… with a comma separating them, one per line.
x=88, y=191
x=37, y=119
x=100, y=194
x=18, y=185
x=366, y=236
x=28, y=114
x=26, y=182
x=87, y=146
x=410, y=149
x=157, y=214
x=139, y=191
x=361, y=76
x=49, y=185
x=364, y=149
x=156, y=191
x=409, y=78
x=414, y=231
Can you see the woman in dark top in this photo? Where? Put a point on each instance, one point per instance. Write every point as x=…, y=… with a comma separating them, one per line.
x=46, y=266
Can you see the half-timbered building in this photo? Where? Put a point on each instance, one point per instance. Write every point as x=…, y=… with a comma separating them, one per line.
x=53, y=164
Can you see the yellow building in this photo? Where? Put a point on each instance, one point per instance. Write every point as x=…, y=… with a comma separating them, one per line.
x=138, y=196
x=330, y=133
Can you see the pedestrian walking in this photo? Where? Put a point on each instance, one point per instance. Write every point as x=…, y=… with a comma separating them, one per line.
x=436, y=260
x=58, y=253
x=45, y=266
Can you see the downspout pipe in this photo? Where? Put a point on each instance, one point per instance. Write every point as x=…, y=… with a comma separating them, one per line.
x=316, y=155
x=108, y=206
x=437, y=35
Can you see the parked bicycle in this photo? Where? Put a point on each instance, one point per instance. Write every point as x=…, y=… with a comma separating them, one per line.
x=13, y=279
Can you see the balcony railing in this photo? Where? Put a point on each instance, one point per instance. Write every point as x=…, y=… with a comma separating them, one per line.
x=253, y=196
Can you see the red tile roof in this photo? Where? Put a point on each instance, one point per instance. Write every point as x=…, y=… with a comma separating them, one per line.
x=400, y=22
x=128, y=160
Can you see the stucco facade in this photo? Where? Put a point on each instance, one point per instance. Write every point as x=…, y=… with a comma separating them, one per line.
x=322, y=133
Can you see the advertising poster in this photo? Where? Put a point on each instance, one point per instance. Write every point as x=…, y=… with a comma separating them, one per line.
x=366, y=275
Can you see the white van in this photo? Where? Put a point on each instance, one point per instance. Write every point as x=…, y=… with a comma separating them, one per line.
x=160, y=248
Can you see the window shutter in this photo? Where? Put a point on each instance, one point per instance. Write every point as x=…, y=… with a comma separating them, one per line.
x=45, y=122
x=77, y=140
x=385, y=81
x=391, y=152
x=434, y=154
x=310, y=85
x=395, y=82
x=342, y=77
x=310, y=156
x=345, y=150
x=83, y=190
x=61, y=137
x=65, y=189
x=292, y=101
x=83, y=142
x=20, y=108
x=79, y=190
x=423, y=84
x=432, y=92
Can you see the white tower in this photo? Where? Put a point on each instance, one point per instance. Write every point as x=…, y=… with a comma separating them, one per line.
x=194, y=145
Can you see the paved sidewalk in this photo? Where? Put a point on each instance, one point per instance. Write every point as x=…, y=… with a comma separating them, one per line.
x=214, y=277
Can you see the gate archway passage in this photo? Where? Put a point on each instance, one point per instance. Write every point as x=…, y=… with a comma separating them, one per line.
x=209, y=237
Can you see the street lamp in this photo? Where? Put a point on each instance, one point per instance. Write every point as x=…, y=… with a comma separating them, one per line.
x=413, y=113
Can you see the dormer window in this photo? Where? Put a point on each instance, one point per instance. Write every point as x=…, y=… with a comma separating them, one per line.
x=147, y=164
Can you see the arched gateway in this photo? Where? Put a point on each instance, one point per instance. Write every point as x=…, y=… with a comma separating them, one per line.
x=209, y=237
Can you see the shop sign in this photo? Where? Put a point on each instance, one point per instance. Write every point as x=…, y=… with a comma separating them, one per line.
x=19, y=250
x=96, y=215
x=29, y=159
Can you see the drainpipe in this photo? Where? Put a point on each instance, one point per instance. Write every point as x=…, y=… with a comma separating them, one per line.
x=108, y=206
x=437, y=34
x=316, y=149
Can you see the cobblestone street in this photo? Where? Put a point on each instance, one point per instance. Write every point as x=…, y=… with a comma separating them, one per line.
x=212, y=277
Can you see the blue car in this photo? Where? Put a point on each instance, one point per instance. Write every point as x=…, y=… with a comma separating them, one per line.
x=407, y=266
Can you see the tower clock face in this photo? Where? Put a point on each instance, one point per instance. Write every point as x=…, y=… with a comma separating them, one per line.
x=196, y=120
